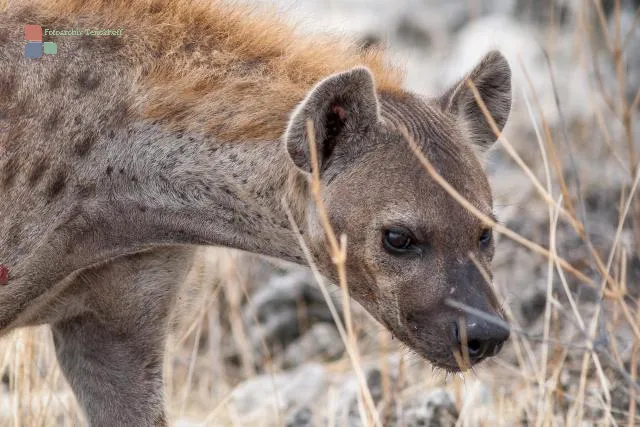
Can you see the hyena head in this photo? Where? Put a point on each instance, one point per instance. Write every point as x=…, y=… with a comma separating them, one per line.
x=417, y=260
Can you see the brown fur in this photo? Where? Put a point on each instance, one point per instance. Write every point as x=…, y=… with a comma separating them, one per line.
x=188, y=52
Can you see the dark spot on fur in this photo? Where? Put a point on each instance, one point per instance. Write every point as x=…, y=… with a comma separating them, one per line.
x=57, y=184
x=121, y=171
x=88, y=80
x=189, y=47
x=113, y=43
x=55, y=81
x=142, y=209
x=38, y=169
x=245, y=180
x=77, y=119
x=109, y=170
x=134, y=179
x=86, y=190
x=52, y=122
x=87, y=41
x=69, y=250
x=8, y=85
x=83, y=146
x=112, y=134
x=9, y=171
x=13, y=237
x=156, y=7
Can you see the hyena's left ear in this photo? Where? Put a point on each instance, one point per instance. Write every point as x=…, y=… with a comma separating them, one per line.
x=340, y=104
x=492, y=78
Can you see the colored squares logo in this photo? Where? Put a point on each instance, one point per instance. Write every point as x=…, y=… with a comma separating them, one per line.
x=33, y=33
x=50, y=48
x=35, y=46
x=33, y=50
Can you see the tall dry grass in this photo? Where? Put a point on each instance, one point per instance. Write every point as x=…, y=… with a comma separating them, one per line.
x=547, y=378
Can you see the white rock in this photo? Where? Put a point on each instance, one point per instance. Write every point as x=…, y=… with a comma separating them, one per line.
x=520, y=44
x=259, y=399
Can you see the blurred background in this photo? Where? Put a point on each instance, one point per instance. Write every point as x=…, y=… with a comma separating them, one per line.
x=255, y=342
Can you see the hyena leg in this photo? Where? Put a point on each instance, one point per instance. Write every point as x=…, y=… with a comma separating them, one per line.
x=112, y=352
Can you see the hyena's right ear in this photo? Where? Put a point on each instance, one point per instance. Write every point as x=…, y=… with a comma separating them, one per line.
x=341, y=104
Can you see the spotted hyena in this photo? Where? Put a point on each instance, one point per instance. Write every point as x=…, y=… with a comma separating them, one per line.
x=121, y=154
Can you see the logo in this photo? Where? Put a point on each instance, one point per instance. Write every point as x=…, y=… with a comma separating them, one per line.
x=35, y=46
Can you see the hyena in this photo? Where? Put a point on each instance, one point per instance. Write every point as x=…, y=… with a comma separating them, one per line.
x=121, y=154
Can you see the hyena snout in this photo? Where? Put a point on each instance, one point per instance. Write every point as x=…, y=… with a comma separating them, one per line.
x=448, y=334
x=480, y=336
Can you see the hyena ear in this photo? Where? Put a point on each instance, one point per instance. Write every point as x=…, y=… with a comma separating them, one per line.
x=492, y=78
x=342, y=103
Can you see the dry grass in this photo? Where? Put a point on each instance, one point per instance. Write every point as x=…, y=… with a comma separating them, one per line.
x=571, y=367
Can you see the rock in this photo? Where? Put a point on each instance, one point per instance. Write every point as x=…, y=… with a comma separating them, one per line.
x=303, y=417
x=435, y=409
x=519, y=44
x=279, y=306
x=374, y=382
x=543, y=11
x=320, y=343
x=261, y=398
x=410, y=32
x=533, y=306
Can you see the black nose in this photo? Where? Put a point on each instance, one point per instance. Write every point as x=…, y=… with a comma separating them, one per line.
x=484, y=337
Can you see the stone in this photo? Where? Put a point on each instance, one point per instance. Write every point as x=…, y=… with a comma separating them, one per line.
x=435, y=409
x=265, y=396
x=320, y=343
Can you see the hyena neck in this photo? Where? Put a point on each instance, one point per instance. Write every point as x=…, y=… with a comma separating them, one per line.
x=153, y=187
x=192, y=189
x=145, y=187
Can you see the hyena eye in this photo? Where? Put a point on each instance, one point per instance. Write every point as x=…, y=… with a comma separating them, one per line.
x=397, y=240
x=485, y=238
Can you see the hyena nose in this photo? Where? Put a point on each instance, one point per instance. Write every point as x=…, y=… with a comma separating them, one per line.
x=482, y=337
